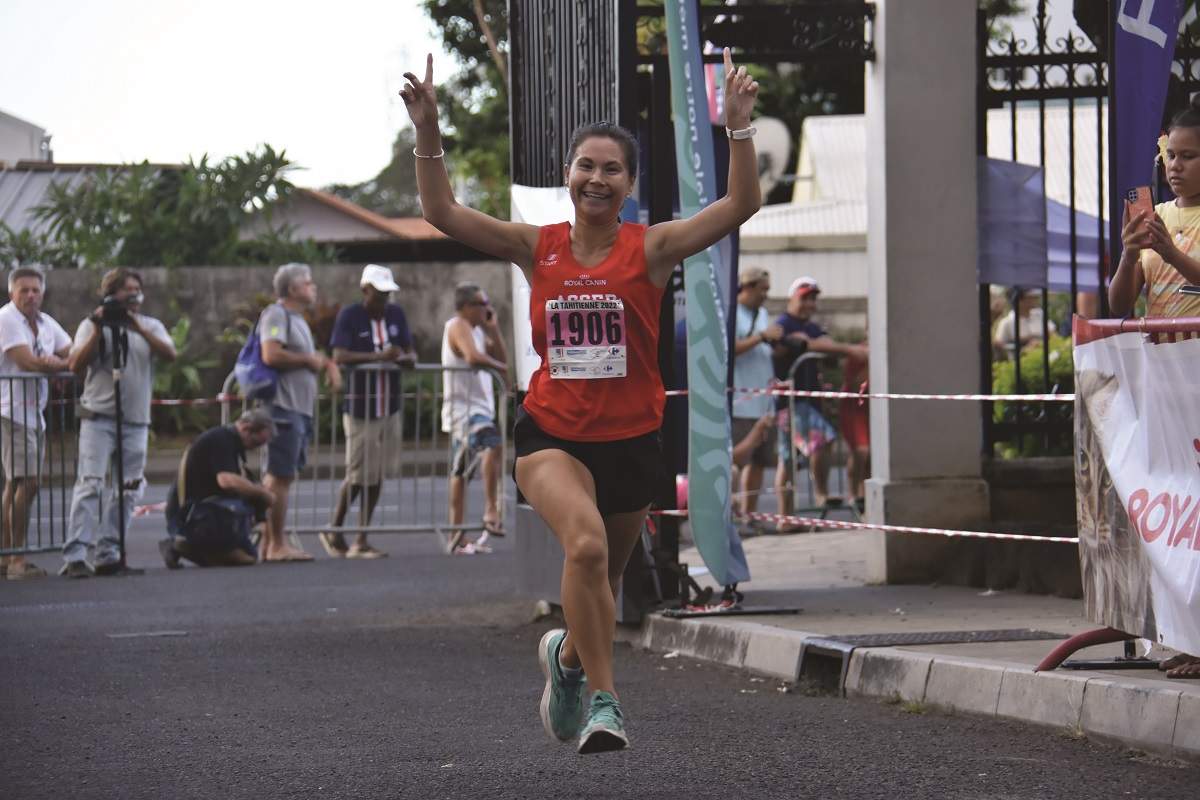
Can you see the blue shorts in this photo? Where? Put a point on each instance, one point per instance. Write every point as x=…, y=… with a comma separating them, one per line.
x=480, y=435
x=812, y=433
x=287, y=453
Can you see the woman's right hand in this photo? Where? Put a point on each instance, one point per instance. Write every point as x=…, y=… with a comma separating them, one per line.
x=419, y=98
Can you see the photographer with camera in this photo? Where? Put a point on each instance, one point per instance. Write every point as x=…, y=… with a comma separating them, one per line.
x=117, y=347
x=214, y=501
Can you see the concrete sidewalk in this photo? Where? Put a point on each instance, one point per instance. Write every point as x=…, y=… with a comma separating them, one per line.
x=823, y=577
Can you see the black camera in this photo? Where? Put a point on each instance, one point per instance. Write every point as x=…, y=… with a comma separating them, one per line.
x=116, y=310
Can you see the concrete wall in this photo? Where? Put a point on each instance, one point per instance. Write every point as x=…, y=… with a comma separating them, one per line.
x=215, y=297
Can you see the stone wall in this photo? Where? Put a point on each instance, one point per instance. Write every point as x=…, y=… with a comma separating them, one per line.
x=216, y=297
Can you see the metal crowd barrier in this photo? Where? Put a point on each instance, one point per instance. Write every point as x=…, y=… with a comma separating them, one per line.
x=416, y=500
x=837, y=454
x=48, y=512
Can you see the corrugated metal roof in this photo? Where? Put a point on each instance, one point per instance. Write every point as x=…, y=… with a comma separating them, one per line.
x=833, y=158
x=829, y=200
x=25, y=186
x=833, y=152
x=818, y=224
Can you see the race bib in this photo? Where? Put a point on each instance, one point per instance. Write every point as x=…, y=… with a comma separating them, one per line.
x=585, y=338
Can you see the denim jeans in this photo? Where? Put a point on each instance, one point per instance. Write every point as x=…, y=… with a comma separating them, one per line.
x=89, y=516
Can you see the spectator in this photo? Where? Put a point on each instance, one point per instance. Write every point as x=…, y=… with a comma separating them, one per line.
x=371, y=337
x=213, y=502
x=809, y=431
x=1161, y=255
x=30, y=341
x=472, y=338
x=753, y=337
x=103, y=343
x=288, y=347
x=1025, y=317
x=854, y=419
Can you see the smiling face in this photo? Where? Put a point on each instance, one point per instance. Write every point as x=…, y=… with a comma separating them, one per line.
x=803, y=306
x=598, y=179
x=1183, y=164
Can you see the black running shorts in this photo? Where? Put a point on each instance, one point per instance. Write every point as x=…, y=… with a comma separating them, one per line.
x=626, y=471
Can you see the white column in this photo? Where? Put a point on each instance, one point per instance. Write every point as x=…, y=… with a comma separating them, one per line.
x=923, y=297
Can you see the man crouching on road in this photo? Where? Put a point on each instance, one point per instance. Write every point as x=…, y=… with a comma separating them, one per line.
x=212, y=504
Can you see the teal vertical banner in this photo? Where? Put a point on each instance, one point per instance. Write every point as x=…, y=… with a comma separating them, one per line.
x=710, y=455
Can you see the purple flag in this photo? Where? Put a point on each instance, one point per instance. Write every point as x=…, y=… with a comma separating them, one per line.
x=1144, y=47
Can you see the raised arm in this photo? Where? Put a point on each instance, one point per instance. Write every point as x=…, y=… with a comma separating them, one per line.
x=668, y=243
x=510, y=241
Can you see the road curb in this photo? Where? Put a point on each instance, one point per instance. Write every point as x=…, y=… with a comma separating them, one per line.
x=1138, y=713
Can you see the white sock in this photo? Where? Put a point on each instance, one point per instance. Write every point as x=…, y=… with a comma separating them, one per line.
x=568, y=672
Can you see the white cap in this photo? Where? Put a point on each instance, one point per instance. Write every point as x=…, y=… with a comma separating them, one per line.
x=379, y=277
x=803, y=286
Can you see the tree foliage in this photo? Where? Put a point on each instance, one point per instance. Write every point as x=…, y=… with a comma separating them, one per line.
x=143, y=215
x=473, y=105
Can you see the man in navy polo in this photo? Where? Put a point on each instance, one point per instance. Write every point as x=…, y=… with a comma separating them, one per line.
x=371, y=338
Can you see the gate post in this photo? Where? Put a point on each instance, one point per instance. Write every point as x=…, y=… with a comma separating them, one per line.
x=921, y=254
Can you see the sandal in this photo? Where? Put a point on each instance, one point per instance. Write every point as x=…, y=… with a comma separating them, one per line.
x=494, y=527
x=333, y=543
x=366, y=551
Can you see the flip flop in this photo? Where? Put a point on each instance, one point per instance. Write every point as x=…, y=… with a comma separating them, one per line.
x=331, y=545
x=494, y=527
x=294, y=557
x=365, y=552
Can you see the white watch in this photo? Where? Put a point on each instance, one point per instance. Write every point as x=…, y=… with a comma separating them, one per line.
x=744, y=133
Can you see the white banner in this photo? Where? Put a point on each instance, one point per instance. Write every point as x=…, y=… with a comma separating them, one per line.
x=1137, y=419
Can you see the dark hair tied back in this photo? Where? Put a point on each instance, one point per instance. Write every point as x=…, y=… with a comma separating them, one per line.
x=606, y=130
x=1188, y=117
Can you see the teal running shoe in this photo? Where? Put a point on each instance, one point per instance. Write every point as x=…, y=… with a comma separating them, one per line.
x=562, y=701
x=605, y=727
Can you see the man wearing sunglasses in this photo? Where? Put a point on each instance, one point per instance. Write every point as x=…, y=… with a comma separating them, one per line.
x=472, y=338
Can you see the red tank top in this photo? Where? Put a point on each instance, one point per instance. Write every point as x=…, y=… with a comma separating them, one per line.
x=577, y=306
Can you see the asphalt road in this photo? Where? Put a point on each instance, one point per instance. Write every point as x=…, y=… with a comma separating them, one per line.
x=415, y=676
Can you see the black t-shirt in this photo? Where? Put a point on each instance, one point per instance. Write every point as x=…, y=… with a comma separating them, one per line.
x=214, y=451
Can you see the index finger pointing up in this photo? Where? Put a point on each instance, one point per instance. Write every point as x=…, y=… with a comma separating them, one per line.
x=429, y=68
x=728, y=61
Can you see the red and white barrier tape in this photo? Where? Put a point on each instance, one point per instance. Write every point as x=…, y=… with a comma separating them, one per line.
x=1012, y=398
x=871, y=526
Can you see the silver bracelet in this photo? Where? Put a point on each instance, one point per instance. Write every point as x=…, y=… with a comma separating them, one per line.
x=418, y=155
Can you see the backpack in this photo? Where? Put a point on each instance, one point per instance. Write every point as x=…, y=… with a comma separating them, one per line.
x=256, y=379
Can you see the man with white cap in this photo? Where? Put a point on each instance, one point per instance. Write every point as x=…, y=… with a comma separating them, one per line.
x=371, y=338
x=814, y=434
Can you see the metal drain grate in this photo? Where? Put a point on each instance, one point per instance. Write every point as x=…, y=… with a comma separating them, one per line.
x=943, y=637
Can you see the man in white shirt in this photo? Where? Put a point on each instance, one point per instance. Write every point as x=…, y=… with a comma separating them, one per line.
x=30, y=342
x=472, y=338
x=1026, y=317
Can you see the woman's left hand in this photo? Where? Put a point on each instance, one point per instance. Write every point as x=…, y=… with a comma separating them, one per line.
x=1159, y=238
x=741, y=91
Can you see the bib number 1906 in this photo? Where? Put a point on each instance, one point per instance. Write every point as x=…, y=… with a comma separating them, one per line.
x=576, y=328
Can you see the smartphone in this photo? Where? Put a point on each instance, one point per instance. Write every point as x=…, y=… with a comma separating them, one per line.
x=489, y=315
x=1139, y=200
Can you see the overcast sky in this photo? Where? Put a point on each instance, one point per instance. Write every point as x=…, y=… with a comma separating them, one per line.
x=167, y=80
